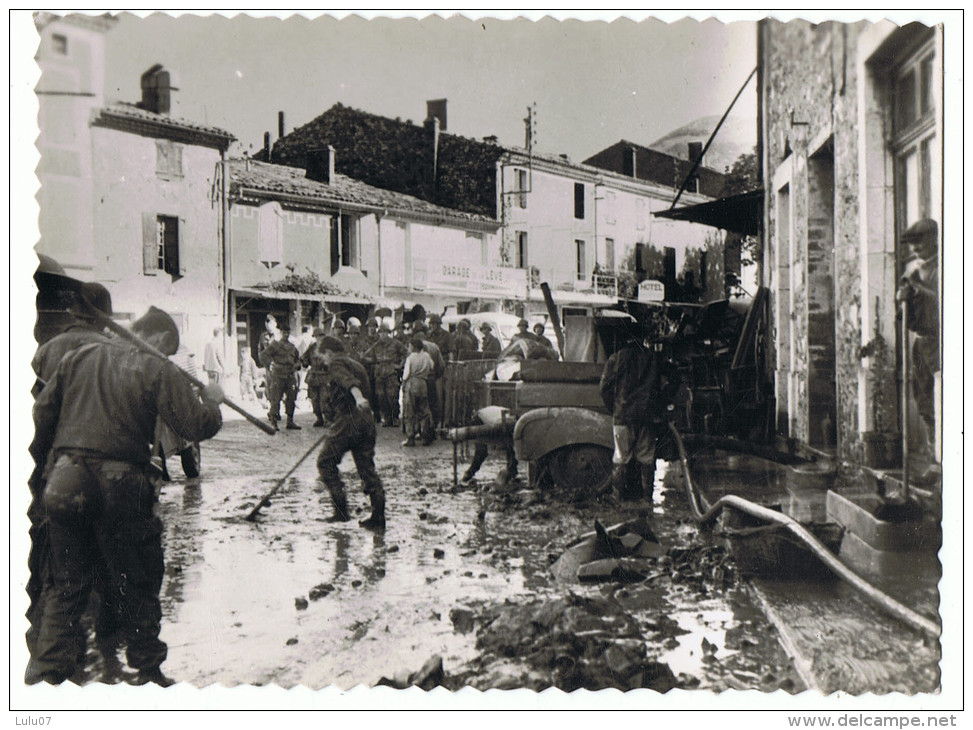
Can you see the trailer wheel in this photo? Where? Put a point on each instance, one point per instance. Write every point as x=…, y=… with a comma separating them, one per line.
x=583, y=470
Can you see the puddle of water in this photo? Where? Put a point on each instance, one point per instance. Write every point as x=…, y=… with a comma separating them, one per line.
x=704, y=641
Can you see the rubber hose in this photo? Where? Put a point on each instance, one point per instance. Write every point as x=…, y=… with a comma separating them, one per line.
x=879, y=599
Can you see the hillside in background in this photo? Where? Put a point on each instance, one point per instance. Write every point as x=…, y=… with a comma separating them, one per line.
x=737, y=136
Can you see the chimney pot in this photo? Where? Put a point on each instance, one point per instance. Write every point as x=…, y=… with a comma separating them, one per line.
x=436, y=109
x=280, y=124
x=320, y=165
x=695, y=149
x=267, y=146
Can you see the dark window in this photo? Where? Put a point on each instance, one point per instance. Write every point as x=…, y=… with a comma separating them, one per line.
x=60, y=43
x=640, y=257
x=160, y=245
x=579, y=200
x=335, y=245
x=580, y=257
x=522, y=186
x=702, y=270
x=610, y=254
x=669, y=264
x=521, y=262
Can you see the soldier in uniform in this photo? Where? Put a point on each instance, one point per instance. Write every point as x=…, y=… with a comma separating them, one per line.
x=389, y=355
x=352, y=429
x=435, y=379
x=637, y=386
x=83, y=329
x=94, y=423
x=491, y=345
x=438, y=336
x=282, y=361
x=463, y=340
x=315, y=379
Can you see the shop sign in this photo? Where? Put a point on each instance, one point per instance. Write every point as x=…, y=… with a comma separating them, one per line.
x=652, y=290
x=471, y=279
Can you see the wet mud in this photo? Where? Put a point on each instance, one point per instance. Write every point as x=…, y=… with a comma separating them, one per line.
x=457, y=591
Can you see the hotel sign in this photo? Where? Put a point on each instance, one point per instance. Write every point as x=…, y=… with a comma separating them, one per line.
x=449, y=278
x=652, y=290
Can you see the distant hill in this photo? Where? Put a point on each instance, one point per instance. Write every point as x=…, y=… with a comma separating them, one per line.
x=736, y=137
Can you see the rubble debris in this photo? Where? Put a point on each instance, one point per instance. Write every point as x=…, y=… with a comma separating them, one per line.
x=616, y=569
x=569, y=643
x=291, y=641
x=320, y=591
x=430, y=676
x=439, y=553
x=462, y=618
x=620, y=553
x=300, y=603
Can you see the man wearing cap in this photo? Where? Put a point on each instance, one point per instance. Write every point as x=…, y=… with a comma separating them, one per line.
x=389, y=355
x=435, y=379
x=638, y=386
x=464, y=341
x=282, y=361
x=82, y=330
x=315, y=379
x=491, y=345
x=438, y=336
x=346, y=407
x=919, y=288
x=94, y=423
x=213, y=357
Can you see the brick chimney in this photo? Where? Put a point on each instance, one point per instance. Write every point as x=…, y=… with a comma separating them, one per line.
x=320, y=165
x=436, y=109
x=432, y=127
x=695, y=149
x=280, y=124
x=158, y=87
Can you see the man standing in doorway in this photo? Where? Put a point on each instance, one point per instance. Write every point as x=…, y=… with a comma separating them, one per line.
x=919, y=287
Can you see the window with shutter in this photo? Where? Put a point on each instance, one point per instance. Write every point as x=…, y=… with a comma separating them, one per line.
x=150, y=246
x=168, y=159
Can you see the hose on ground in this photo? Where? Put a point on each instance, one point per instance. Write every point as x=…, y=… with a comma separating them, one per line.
x=704, y=513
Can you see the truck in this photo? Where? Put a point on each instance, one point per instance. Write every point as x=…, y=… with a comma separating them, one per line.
x=554, y=413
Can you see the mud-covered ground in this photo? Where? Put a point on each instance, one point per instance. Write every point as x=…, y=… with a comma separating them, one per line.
x=462, y=575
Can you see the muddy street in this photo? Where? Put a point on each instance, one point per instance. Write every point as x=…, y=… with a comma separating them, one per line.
x=461, y=573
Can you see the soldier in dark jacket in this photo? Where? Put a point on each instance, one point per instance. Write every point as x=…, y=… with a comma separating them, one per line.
x=389, y=355
x=352, y=429
x=95, y=420
x=438, y=336
x=491, y=345
x=282, y=361
x=316, y=376
x=638, y=385
x=463, y=340
x=84, y=329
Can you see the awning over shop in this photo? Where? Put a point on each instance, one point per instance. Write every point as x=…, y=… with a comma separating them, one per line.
x=738, y=213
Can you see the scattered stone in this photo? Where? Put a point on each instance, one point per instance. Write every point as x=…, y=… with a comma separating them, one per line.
x=468, y=574
x=392, y=549
x=423, y=515
x=355, y=583
x=435, y=615
x=431, y=675
x=617, y=569
x=483, y=575
x=320, y=591
x=423, y=491
x=300, y=603
x=439, y=553
x=291, y=641
x=462, y=619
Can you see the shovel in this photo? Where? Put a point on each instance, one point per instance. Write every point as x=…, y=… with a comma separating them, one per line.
x=265, y=500
x=902, y=507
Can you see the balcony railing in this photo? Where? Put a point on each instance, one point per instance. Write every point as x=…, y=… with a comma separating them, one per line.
x=560, y=280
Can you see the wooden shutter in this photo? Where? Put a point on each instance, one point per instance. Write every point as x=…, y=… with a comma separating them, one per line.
x=150, y=251
x=177, y=245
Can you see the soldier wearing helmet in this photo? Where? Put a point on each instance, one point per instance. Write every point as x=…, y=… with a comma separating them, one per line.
x=638, y=386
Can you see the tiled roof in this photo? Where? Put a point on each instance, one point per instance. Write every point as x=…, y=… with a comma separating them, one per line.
x=131, y=118
x=281, y=180
x=396, y=155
